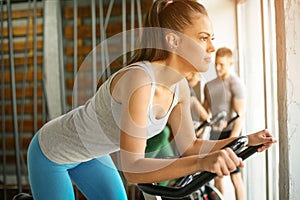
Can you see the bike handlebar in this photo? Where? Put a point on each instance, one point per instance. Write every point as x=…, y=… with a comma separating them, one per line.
x=208, y=122
x=199, y=178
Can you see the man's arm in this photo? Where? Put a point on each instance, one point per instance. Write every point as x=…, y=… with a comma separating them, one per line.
x=206, y=103
x=238, y=107
x=197, y=107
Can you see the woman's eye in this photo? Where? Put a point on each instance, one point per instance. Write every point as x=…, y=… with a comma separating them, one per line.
x=204, y=39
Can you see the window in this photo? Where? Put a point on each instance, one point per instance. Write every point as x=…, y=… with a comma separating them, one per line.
x=257, y=61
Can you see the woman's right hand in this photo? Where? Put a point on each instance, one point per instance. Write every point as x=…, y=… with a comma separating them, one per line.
x=221, y=162
x=263, y=137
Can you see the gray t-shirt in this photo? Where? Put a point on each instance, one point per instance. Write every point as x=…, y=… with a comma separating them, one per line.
x=220, y=95
x=93, y=130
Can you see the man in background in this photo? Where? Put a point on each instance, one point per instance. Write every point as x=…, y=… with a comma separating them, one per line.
x=226, y=93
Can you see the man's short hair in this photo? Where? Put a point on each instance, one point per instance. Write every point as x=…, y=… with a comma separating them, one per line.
x=224, y=52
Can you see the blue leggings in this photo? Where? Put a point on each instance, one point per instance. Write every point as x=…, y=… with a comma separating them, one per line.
x=96, y=179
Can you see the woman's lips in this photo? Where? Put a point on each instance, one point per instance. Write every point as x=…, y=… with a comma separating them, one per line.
x=207, y=59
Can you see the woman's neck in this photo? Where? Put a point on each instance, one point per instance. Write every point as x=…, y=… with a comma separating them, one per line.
x=165, y=73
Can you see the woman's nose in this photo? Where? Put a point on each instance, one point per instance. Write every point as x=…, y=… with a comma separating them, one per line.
x=210, y=47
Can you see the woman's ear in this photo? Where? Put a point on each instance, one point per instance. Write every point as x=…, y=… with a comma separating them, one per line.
x=172, y=40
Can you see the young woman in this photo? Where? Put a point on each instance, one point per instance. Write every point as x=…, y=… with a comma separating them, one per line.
x=134, y=104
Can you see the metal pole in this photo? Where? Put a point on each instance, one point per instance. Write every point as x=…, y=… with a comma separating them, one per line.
x=13, y=97
x=139, y=11
x=3, y=107
x=94, y=69
x=105, y=27
x=25, y=67
x=108, y=13
x=124, y=30
x=102, y=38
x=61, y=59
x=132, y=19
x=44, y=98
x=23, y=163
x=75, y=54
x=265, y=93
x=44, y=105
x=75, y=87
x=34, y=69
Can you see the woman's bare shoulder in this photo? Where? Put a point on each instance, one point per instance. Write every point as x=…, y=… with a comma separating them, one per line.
x=129, y=81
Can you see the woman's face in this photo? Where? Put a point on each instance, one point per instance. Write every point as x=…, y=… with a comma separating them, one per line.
x=196, y=46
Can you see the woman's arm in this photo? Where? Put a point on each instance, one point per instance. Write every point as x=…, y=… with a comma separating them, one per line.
x=137, y=168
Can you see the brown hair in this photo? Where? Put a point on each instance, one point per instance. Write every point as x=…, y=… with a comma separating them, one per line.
x=164, y=15
x=224, y=52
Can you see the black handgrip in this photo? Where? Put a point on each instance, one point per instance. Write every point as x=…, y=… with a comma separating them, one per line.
x=198, y=180
x=248, y=151
x=233, y=119
x=237, y=144
x=177, y=192
x=216, y=118
x=203, y=124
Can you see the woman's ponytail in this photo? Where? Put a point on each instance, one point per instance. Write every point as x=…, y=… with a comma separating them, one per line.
x=170, y=15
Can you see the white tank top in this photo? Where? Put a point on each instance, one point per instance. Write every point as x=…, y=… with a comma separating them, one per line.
x=93, y=130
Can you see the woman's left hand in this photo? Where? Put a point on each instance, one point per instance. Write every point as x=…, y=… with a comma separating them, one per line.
x=262, y=137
